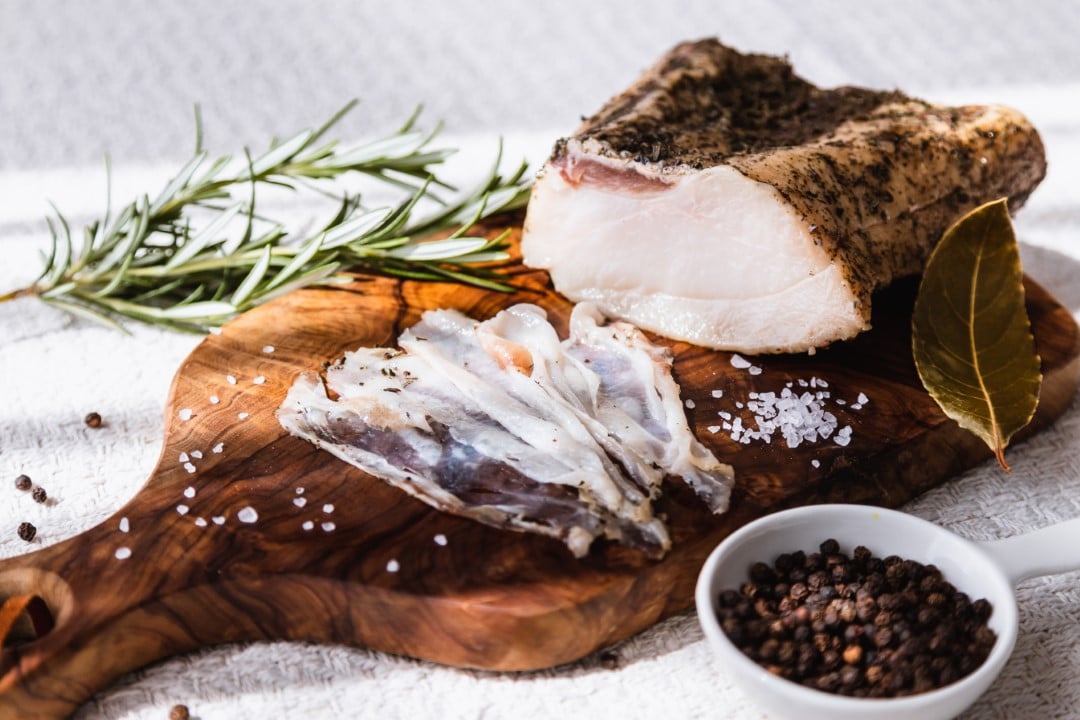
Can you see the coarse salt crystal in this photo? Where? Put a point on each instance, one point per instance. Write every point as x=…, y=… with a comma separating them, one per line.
x=299, y=502
x=841, y=401
x=218, y=448
x=440, y=539
x=739, y=405
x=197, y=454
x=183, y=457
x=739, y=362
x=125, y=526
x=200, y=522
x=308, y=525
x=690, y=404
x=268, y=348
x=214, y=399
x=329, y=526
x=856, y=406
x=299, y=491
x=259, y=380
x=393, y=566
x=247, y=515
x=862, y=399
x=815, y=463
x=189, y=467
x=189, y=492
x=983, y=161
x=713, y=429
x=231, y=379
x=123, y=553
x=243, y=415
x=182, y=509
x=218, y=519
x=328, y=508
x=725, y=415
x=185, y=414
x=754, y=370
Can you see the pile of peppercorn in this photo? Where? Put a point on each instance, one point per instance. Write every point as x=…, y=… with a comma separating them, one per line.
x=860, y=625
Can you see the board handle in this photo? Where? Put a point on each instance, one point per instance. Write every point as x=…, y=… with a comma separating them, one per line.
x=84, y=612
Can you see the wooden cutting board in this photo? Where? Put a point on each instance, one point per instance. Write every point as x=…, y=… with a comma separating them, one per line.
x=484, y=597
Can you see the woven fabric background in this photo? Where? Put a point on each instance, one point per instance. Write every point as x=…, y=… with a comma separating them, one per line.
x=78, y=80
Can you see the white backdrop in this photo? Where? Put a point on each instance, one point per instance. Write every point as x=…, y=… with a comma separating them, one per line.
x=80, y=79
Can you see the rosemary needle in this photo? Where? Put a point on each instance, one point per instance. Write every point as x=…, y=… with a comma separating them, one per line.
x=198, y=253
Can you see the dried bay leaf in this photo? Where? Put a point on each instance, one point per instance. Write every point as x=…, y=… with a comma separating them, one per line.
x=971, y=335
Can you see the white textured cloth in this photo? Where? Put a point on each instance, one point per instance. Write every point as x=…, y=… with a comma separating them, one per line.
x=76, y=80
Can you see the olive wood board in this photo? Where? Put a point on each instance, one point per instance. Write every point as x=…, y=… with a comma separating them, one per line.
x=487, y=598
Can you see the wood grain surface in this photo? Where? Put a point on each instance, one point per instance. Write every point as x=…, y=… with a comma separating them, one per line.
x=488, y=598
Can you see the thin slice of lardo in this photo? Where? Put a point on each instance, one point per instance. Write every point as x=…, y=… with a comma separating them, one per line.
x=502, y=422
x=725, y=201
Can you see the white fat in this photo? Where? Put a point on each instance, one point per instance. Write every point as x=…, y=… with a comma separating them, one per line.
x=710, y=257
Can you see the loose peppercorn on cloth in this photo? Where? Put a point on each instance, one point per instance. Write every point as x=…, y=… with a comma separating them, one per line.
x=78, y=80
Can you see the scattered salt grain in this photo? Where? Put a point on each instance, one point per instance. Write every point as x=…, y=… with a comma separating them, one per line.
x=299, y=502
x=690, y=404
x=739, y=362
x=218, y=519
x=713, y=429
x=268, y=348
x=189, y=492
x=218, y=448
x=185, y=414
x=841, y=401
x=214, y=399
x=182, y=509
x=230, y=379
x=123, y=553
x=328, y=508
x=843, y=437
x=393, y=566
x=243, y=415
x=247, y=515
x=754, y=370
x=718, y=393
x=739, y=405
x=725, y=415
x=856, y=406
x=183, y=457
x=259, y=380
x=125, y=526
x=308, y=525
x=200, y=522
x=329, y=527
x=299, y=491
x=440, y=539
x=862, y=399
x=815, y=463
x=983, y=161
x=189, y=467
x=197, y=454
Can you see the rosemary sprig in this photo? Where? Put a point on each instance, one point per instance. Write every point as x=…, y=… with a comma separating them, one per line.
x=198, y=253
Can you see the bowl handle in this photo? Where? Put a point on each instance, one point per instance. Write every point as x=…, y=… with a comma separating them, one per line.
x=1048, y=551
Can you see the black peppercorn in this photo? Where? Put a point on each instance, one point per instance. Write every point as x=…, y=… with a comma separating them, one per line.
x=860, y=626
x=39, y=494
x=23, y=482
x=92, y=420
x=27, y=531
x=179, y=712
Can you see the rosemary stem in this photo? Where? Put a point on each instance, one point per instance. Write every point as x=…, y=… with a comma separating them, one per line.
x=28, y=291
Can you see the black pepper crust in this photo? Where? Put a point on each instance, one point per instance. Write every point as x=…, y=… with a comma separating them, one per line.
x=879, y=176
x=704, y=102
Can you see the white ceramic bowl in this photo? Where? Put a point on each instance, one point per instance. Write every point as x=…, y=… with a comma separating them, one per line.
x=976, y=569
